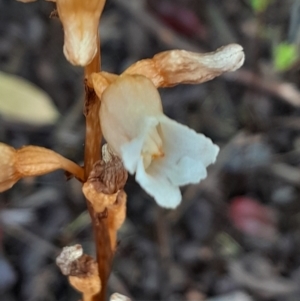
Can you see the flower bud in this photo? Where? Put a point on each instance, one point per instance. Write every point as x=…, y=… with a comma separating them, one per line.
x=8, y=173
x=35, y=161
x=80, y=20
x=30, y=161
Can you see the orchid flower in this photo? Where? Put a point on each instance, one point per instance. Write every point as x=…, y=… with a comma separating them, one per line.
x=162, y=153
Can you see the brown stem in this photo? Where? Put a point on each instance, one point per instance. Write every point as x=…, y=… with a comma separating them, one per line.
x=92, y=155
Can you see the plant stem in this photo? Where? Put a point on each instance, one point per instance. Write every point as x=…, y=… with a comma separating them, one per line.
x=92, y=154
x=73, y=168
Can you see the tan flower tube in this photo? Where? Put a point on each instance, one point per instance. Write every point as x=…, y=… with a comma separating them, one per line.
x=170, y=68
x=30, y=161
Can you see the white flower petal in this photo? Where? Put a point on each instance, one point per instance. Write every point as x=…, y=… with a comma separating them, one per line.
x=182, y=172
x=186, y=154
x=131, y=154
x=187, y=171
x=125, y=105
x=158, y=186
x=131, y=151
x=180, y=141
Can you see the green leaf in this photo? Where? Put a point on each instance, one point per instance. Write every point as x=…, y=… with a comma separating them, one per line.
x=260, y=6
x=21, y=101
x=285, y=55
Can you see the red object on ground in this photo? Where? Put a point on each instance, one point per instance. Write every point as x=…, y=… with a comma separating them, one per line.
x=253, y=218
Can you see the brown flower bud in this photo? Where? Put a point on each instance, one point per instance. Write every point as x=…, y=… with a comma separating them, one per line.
x=80, y=20
x=35, y=161
x=31, y=161
x=8, y=173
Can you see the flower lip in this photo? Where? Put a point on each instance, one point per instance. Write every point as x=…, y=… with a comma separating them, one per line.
x=160, y=154
x=152, y=147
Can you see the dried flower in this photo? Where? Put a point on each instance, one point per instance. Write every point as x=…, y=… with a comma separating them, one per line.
x=80, y=20
x=67, y=257
x=103, y=189
x=105, y=181
x=82, y=270
x=163, y=153
x=8, y=174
